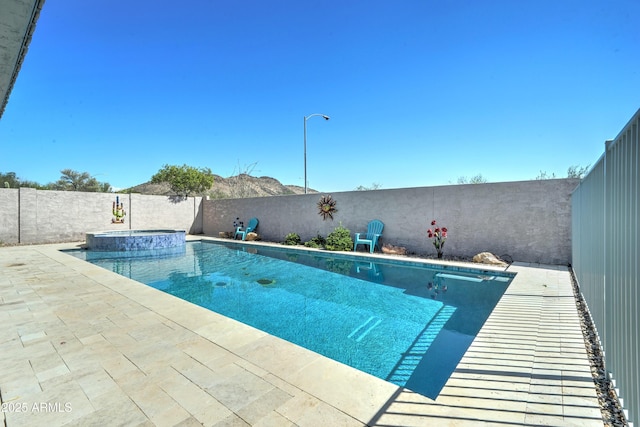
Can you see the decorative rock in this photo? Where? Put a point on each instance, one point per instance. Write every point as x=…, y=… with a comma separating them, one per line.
x=393, y=250
x=488, y=258
x=252, y=236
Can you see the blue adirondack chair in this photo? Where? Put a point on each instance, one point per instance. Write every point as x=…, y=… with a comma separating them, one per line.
x=374, y=231
x=253, y=224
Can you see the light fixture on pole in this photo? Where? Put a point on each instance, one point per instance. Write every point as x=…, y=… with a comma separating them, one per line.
x=324, y=116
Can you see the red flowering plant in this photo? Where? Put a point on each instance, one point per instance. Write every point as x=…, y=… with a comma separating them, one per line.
x=439, y=235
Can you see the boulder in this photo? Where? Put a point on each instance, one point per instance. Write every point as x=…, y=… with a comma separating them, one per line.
x=489, y=258
x=393, y=250
x=252, y=236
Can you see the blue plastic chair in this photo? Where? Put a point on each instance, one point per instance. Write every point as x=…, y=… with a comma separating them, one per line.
x=374, y=231
x=253, y=224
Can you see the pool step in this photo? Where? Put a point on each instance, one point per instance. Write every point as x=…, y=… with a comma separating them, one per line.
x=410, y=360
x=368, y=326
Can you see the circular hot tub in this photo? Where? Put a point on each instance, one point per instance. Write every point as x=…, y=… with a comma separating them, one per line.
x=133, y=240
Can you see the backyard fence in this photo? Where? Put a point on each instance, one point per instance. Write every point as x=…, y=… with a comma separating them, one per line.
x=528, y=221
x=605, y=249
x=31, y=216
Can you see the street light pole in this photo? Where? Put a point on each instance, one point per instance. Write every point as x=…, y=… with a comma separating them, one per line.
x=324, y=116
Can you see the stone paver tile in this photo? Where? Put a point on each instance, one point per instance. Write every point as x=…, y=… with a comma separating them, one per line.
x=96, y=383
x=55, y=406
x=576, y=406
x=191, y=397
x=240, y=390
x=575, y=389
x=307, y=411
x=191, y=422
x=341, y=386
x=56, y=371
x=171, y=416
x=120, y=368
x=119, y=338
x=202, y=350
x=225, y=333
x=115, y=410
x=274, y=419
x=94, y=338
x=282, y=385
x=152, y=357
x=232, y=420
x=16, y=389
x=291, y=359
x=552, y=406
x=209, y=377
x=212, y=414
x=30, y=337
x=264, y=405
x=542, y=419
x=156, y=404
x=511, y=408
x=254, y=369
x=81, y=359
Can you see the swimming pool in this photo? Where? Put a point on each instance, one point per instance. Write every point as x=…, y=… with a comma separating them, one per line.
x=400, y=321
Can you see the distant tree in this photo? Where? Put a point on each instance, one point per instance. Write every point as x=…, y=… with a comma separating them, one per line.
x=79, y=181
x=240, y=182
x=374, y=186
x=185, y=180
x=9, y=180
x=577, y=171
x=545, y=175
x=33, y=184
x=477, y=179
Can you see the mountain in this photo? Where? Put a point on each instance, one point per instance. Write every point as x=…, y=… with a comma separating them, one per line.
x=238, y=186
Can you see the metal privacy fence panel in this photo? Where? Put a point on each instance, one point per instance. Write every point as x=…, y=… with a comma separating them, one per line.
x=605, y=254
x=588, y=248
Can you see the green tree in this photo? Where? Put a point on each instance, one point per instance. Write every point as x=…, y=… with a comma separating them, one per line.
x=9, y=180
x=185, y=180
x=71, y=180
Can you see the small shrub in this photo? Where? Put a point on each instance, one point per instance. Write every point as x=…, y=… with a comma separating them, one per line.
x=339, y=240
x=292, y=239
x=316, y=242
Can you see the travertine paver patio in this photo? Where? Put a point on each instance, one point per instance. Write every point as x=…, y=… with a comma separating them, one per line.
x=80, y=345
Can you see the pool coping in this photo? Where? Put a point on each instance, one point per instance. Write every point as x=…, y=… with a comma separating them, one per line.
x=116, y=349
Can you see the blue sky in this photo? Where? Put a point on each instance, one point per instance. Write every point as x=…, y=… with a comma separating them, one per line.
x=419, y=92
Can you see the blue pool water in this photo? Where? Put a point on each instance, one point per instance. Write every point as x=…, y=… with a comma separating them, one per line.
x=399, y=321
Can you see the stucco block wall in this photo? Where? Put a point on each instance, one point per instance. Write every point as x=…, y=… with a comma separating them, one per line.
x=528, y=220
x=29, y=216
x=158, y=211
x=9, y=219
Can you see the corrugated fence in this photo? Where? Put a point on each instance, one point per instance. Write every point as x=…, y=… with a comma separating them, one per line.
x=605, y=253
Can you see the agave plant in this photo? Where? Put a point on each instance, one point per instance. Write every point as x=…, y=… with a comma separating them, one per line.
x=327, y=207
